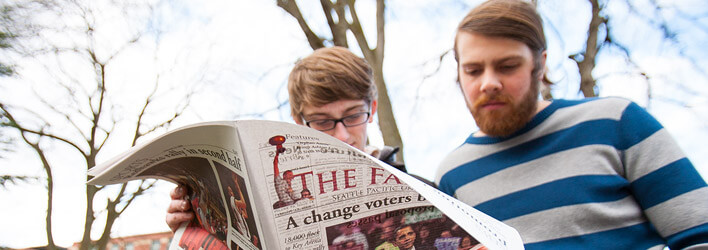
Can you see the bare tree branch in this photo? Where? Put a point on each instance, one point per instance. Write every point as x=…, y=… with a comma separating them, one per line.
x=46, y=166
x=586, y=64
x=340, y=27
x=355, y=27
x=14, y=123
x=380, y=31
x=85, y=109
x=291, y=7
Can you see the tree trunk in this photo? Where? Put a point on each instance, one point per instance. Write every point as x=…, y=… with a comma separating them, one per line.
x=89, y=219
x=387, y=121
x=50, y=201
x=587, y=64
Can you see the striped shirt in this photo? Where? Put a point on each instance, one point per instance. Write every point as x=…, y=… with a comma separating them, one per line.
x=594, y=173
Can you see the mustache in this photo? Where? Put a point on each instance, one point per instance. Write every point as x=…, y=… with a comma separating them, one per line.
x=485, y=99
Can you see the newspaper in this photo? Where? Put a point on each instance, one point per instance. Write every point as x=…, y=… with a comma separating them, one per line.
x=275, y=185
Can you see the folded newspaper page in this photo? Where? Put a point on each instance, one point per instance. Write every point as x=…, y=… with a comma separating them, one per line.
x=275, y=185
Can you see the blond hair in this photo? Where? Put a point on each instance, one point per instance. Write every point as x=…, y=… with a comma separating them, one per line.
x=329, y=75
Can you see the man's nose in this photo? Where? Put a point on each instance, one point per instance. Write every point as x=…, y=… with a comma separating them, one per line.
x=490, y=82
x=340, y=131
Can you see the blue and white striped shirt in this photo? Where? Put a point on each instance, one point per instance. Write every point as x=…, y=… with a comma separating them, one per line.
x=594, y=173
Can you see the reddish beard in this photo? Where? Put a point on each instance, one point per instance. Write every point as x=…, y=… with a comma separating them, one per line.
x=506, y=120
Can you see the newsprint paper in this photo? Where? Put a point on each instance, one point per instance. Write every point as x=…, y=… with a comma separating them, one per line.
x=276, y=185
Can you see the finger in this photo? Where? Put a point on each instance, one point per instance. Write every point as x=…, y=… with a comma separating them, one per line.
x=179, y=206
x=178, y=192
x=174, y=220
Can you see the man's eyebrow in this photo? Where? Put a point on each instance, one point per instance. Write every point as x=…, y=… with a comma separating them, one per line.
x=495, y=61
x=508, y=58
x=355, y=107
x=470, y=63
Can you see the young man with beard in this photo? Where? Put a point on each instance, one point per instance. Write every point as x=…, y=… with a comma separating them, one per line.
x=593, y=173
x=331, y=90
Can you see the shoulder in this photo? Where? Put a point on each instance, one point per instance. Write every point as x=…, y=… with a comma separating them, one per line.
x=604, y=101
x=563, y=114
x=458, y=156
x=606, y=107
x=387, y=154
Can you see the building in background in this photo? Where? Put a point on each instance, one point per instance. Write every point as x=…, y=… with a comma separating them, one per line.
x=155, y=241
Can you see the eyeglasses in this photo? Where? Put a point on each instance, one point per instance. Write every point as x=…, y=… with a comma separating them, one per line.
x=347, y=121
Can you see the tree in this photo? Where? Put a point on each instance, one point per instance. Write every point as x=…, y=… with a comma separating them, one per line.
x=5, y=141
x=5, y=148
x=6, y=36
x=13, y=26
x=627, y=29
x=343, y=18
x=77, y=103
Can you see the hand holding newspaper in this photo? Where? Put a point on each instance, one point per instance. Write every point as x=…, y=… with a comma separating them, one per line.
x=275, y=185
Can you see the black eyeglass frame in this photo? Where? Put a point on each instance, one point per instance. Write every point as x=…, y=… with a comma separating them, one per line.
x=334, y=125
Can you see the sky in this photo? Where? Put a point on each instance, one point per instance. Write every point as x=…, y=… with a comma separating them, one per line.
x=236, y=55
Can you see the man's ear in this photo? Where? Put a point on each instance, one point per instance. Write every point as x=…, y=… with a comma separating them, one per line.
x=543, y=68
x=374, y=105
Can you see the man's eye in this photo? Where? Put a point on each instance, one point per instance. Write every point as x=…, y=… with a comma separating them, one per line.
x=473, y=72
x=354, y=117
x=320, y=122
x=508, y=67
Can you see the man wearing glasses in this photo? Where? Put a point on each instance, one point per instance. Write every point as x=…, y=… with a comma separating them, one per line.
x=330, y=90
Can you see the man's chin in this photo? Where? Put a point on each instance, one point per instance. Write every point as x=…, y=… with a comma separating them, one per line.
x=497, y=126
